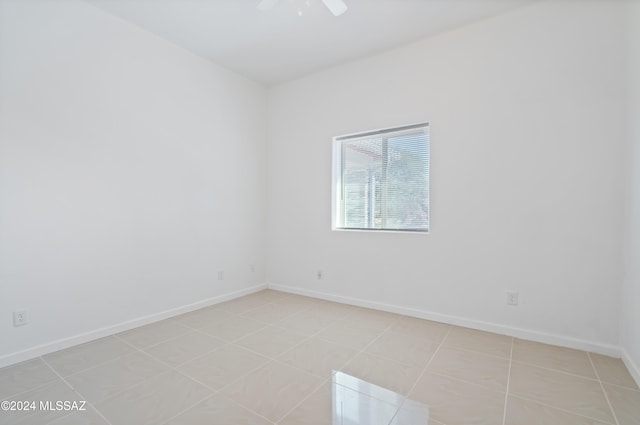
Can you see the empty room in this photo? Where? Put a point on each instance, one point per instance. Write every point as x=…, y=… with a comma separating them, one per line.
x=320, y=212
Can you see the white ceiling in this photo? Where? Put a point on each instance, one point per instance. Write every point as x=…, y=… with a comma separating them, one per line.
x=278, y=45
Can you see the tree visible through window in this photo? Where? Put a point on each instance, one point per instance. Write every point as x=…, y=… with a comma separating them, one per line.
x=381, y=180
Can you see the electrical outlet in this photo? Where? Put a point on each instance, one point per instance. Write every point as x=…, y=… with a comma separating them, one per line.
x=252, y=267
x=220, y=274
x=512, y=298
x=20, y=318
x=320, y=274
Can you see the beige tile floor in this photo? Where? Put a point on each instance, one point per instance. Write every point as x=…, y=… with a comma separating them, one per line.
x=268, y=358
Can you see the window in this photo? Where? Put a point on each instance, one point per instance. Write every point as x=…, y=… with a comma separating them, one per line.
x=381, y=180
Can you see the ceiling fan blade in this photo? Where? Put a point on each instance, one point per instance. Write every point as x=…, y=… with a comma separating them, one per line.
x=267, y=4
x=337, y=7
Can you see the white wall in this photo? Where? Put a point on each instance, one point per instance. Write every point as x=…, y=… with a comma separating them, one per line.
x=630, y=338
x=527, y=114
x=131, y=171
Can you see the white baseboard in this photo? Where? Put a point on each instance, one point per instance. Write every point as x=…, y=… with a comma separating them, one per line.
x=531, y=335
x=50, y=347
x=632, y=367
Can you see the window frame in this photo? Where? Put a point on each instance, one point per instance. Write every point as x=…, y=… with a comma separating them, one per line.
x=337, y=171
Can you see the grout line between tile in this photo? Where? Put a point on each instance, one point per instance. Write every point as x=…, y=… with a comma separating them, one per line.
x=267, y=325
x=606, y=396
x=173, y=368
x=570, y=412
x=424, y=369
x=214, y=392
x=266, y=305
x=526, y=398
x=421, y=374
x=71, y=387
x=271, y=360
x=405, y=396
x=37, y=387
x=458, y=379
x=320, y=385
x=279, y=358
x=141, y=351
x=60, y=419
x=324, y=381
x=237, y=339
x=191, y=406
x=268, y=359
x=187, y=328
x=103, y=363
x=374, y=340
x=506, y=395
x=624, y=387
x=97, y=364
x=470, y=350
x=200, y=331
x=199, y=356
x=556, y=370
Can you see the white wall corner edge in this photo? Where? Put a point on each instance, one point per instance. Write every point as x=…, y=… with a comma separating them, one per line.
x=531, y=335
x=632, y=367
x=61, y=344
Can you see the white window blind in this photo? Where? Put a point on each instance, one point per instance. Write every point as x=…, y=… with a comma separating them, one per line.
x=381, y=180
